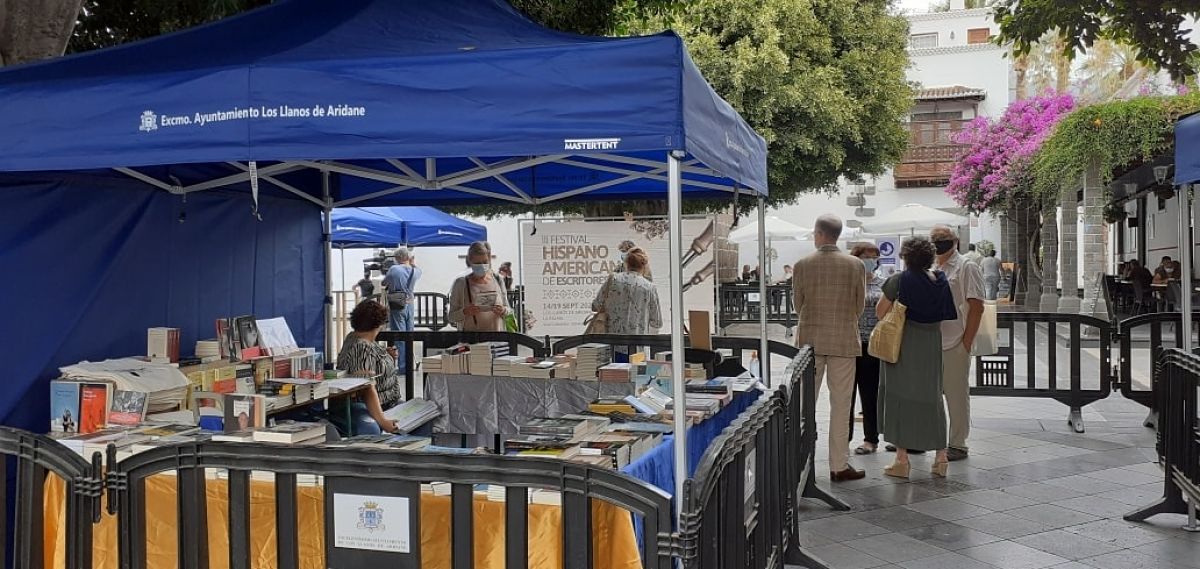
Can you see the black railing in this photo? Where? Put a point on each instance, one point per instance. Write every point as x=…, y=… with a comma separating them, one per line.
x=1037, y=360
x=367, y=471
x=36, y=456
x=739, y=307
x=1178, y=437
x=431, y=311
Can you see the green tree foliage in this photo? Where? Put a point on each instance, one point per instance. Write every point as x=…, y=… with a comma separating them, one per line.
x=1153, y=27
x=105, y=23
x=822, y=80
x=1115, y=136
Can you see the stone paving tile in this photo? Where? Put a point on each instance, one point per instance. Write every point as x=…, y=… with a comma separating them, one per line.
x=895, y=547
x=843, y=528
x=946, y=561
x=1034, y=471
x=1099, y=505
x=1053, y=516
x=1084, y=484
x=1176, y=550
x=1123, y=476
x=948, y=509
x=901, y=494
x=1003, y=525
x=1012, y=555
x=897, y=518
x=839, y=556
x=950, y=536
x=1066, y=544
x=1120, y=533
x=1072, y=565
x=1136, y=496
x=946, y=486
x=1042, y=492
x=995, y=500
x=1129, y=559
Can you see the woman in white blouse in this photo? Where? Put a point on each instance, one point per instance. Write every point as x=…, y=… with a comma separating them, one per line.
x=628, y=299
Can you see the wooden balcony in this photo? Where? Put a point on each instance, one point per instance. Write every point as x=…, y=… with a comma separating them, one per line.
x=931, y=154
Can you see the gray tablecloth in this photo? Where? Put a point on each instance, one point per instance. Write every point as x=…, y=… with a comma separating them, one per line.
x=479, y=405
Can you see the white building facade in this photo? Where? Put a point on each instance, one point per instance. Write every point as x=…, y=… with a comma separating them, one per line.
x=959, y=74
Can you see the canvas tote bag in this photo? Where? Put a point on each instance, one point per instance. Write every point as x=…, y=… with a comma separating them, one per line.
x=597, y=323
x=987, y=340
x=888, y=334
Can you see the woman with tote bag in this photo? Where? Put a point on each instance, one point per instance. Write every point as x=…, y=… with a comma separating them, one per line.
x=911, y=414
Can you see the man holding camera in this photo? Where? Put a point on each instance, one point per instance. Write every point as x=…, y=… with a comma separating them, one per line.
x=401, y=284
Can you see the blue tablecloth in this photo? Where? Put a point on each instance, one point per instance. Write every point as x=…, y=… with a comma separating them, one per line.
x=657, y=467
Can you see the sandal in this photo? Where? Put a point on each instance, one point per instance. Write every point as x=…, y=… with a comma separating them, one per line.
x=864, y=449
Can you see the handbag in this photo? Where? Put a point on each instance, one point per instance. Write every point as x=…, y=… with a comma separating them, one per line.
x=398, y=300
x=987, y=338
x=889, y=334
x=597, y=323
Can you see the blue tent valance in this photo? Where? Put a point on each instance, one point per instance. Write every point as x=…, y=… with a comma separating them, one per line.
x=1187, y=150
x=395, y=101
x=416, y=226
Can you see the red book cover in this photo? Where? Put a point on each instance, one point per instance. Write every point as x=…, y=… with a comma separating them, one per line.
x=93, y=407
x=224, y=386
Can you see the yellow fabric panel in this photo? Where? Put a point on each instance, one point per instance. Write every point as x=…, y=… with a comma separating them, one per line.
x=614, y=544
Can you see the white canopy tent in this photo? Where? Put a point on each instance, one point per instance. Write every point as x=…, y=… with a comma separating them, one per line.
x=774, y=228
x=911, y=219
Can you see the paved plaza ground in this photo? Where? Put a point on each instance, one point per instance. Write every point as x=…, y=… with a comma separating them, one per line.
x=1033, y=494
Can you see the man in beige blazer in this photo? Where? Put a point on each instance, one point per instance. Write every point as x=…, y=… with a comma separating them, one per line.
x=829, y=290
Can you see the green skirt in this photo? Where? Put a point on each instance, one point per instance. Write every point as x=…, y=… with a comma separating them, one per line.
x=911, y=412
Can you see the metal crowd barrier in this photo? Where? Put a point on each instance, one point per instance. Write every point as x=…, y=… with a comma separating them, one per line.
x=431, y=311
x=1126, y=330
x=36, y=456
x=996, y=375
x=1178, y=437
x=356, y=469
x=740, y=508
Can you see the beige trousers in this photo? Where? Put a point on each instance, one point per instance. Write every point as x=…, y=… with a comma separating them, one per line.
x=956, y=386
x=840, y=371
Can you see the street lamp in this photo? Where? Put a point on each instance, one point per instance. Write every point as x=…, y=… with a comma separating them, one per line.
x=1160, y=173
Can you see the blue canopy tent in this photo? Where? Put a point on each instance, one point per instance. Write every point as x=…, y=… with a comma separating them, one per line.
x=391, y=102
x=416, y=226
x=1187, y=172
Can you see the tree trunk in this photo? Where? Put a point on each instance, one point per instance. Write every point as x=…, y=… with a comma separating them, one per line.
x=35, y=29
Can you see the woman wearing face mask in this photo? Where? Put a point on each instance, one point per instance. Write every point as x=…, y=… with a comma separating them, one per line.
x=866, y=370
x=478, y=301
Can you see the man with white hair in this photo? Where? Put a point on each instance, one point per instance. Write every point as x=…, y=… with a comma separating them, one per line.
x=401, y=284
x=966, y=284
x=830, y=290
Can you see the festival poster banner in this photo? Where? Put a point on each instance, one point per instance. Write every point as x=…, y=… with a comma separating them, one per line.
x=565, y=264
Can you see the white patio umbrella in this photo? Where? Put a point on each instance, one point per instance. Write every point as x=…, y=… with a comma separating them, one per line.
x=776, y=229
x=910, y=219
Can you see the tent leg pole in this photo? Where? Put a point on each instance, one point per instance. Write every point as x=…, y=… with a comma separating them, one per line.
x=675, y=212
x=764, y=355
x=1185, y=264
x=329, y=355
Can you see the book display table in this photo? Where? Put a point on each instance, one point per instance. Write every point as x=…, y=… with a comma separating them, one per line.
x=614, y=544
x=484, y=405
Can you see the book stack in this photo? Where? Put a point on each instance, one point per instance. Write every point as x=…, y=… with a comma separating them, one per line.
x=87, y=444
x=541, y=445
x=616, y=454
x=655, y=399
x=412, y=414
x=616, y=373
x=481, y=356
x=590, y=358
x=291, y=432
x=167, y=441
x=455, y=364
x=208, y=350
x=166, y=386
x=503, y=365
x=432, y=364
x=720, y=389
x=162, y=345
x=384, y=441
x=694, y=371
x=592, y=424
x=561, y=427
x=544, y=369
x=606, y=405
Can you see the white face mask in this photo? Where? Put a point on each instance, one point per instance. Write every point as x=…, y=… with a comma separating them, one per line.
x=479, y=270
